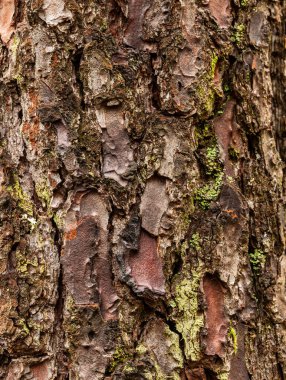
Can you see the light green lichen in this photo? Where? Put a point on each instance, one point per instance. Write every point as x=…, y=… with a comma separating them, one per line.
x=23, y=326
x=206, y=90
x=257, y=259
x=188, y=321
x=43, y=192
x=174, y=347
x=141, y=349
x=214, y=61
x=195, y=241
x=173, y=353
x=31, y=220
x=213, y=168
x=23, y=263
x=159, y=375
x=120, y=356
x=58, y=219
x=223, y=376
x=188, y=208
x=233, y=336
x=244, y=3
x=206, y=96
x=148, y=375
x=233, y=153
x=128, y=368
x=208, y=193
x=22, y=198
x=212, y=160
x=14, y=46
x=238, y=34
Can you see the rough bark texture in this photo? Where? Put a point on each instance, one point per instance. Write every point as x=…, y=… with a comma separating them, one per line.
x=142, y=190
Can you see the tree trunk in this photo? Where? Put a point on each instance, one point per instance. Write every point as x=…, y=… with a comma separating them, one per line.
x=142, y=190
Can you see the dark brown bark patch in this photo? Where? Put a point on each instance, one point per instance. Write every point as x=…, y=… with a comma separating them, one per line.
x=136, y=14
x=80, y=248
x=237, y=365
x=195, y=374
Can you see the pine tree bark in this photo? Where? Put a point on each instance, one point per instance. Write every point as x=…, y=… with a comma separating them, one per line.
x=142, y=190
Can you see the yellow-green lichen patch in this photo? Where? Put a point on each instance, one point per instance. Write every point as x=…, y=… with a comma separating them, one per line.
x=195, y=241
x=206, y=90
x=14, y=45
x=214, y=62
x=223, y=376
x=233, y=336
x=120, y=356
x=209, y=152
x=71, y=321
x=22, y=326
x=141, y=349
x=44, y=193
x=208, y=193
x=257, y=260
x=23, y=263
x=238, y=34
x=244, y=3
x=59, y=220
x=21, y=196
x=188, y=320
x=212, y=160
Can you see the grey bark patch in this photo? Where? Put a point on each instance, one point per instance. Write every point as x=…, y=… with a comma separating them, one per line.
x=256, y=28
x=117, y=153
x=164, y=343
x=54, y=12
x=154, y=204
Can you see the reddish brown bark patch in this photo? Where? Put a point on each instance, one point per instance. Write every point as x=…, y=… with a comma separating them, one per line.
x=40, y=371
x=7, y=10
x=146, y=265
x=216, y=322
x=221, y=11
x=228, y=135
x=31, y=131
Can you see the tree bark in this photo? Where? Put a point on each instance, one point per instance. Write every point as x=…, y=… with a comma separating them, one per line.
x=142, y=190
